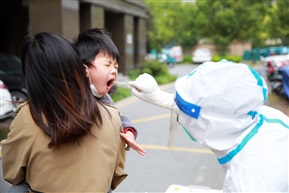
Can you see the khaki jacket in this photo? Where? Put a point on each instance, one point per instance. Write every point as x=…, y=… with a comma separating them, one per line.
x=95, y=165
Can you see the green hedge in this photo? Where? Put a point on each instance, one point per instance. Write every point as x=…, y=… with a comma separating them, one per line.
x=187, y=59
x=158, y=70
x=237, y=59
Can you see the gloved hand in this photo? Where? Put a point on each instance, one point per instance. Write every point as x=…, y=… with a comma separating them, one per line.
x=146, y=88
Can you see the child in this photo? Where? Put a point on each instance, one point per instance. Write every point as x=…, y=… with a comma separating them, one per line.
x=221, y=105
x=100, y=59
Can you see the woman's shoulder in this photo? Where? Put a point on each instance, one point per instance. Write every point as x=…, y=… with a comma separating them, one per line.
x=20, y=106
x=111, y=112
x=109, y=107
x=23, y=121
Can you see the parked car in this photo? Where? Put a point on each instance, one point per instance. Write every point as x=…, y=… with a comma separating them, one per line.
x=12, y=76
x=6, y=106
x=163, y=57
x=177, y=53
x=167, y=57
x=201, y=55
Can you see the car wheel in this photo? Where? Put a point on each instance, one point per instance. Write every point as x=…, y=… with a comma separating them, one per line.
x=18, y=97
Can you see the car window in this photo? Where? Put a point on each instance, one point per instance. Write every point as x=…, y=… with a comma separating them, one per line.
x=10, y=64
x=202, y=51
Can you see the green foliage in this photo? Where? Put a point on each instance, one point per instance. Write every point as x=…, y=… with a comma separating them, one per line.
x=172, y=23
x=278, y=23
x=155, y=68
x=233, y=20
x=164, y=79
x=133, y=74
x=120, y=93
x=187, y=59
x=217, y=21
x=158, y=70
x=217, y=58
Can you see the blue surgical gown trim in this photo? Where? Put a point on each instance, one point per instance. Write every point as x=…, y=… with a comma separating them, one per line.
x=188, y=108
x=248, y=137
x=259, y=82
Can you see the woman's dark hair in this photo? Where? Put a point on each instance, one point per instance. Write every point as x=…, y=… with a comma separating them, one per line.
x=60, y=99
x=92, y=42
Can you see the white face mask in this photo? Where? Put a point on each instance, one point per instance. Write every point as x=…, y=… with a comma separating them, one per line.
x=94, y=91
x=92, y=87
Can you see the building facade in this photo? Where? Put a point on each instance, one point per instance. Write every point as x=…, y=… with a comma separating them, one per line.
x=125, y=19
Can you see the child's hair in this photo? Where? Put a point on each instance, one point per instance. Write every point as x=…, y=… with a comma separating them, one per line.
x=60, y=99
x=92, y=42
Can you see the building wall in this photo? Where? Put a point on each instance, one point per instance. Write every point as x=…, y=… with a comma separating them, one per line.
x=14, y=23
x=91, y=16
x=117, y=30
x=236, y=48
x=129, y=42
x=58, y=16
x=125, y=19
x=140, y=41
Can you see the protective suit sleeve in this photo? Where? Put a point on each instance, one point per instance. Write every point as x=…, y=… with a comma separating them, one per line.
x=146, y=88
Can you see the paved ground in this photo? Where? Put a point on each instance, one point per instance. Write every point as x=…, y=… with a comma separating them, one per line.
x=279, y=103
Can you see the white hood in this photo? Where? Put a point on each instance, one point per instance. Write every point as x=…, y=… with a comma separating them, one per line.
x=218, y=101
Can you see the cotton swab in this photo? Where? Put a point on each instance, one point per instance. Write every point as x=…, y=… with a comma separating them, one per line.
x=123, y=83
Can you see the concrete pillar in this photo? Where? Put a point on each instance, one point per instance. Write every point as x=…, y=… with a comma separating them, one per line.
x=140, y=41
x=116, y=28
x=97, y=17
x=129, y=42
x=57, y=16
x=91, y=16
x=122, y=30
x=70, y=18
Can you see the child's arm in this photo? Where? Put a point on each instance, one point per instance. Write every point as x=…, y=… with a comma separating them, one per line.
x=128, y=125
x=130, y=133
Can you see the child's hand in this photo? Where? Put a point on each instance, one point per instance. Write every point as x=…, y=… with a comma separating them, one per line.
x=130, y=140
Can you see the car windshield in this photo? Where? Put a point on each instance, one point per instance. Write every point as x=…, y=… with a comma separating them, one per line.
x=202, y=51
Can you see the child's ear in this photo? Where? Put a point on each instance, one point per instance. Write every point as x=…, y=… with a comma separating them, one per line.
x=86, y=69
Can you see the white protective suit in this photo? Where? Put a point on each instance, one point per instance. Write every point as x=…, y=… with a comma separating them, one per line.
x=221, y=105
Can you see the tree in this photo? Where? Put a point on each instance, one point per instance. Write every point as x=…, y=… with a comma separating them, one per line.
x=218, y=21
x=278, y=23
x=191, y=22
x=172, y=22
x=232, y=20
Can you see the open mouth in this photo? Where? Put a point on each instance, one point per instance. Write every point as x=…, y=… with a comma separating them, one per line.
x=110, y=82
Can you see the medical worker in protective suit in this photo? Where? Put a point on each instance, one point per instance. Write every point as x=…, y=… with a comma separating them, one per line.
x=221, y=106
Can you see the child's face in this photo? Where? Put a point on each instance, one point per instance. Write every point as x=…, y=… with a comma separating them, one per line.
x=103, y=72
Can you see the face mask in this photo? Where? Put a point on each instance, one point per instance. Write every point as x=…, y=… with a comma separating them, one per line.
x=94, y=91
x=92, y=87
